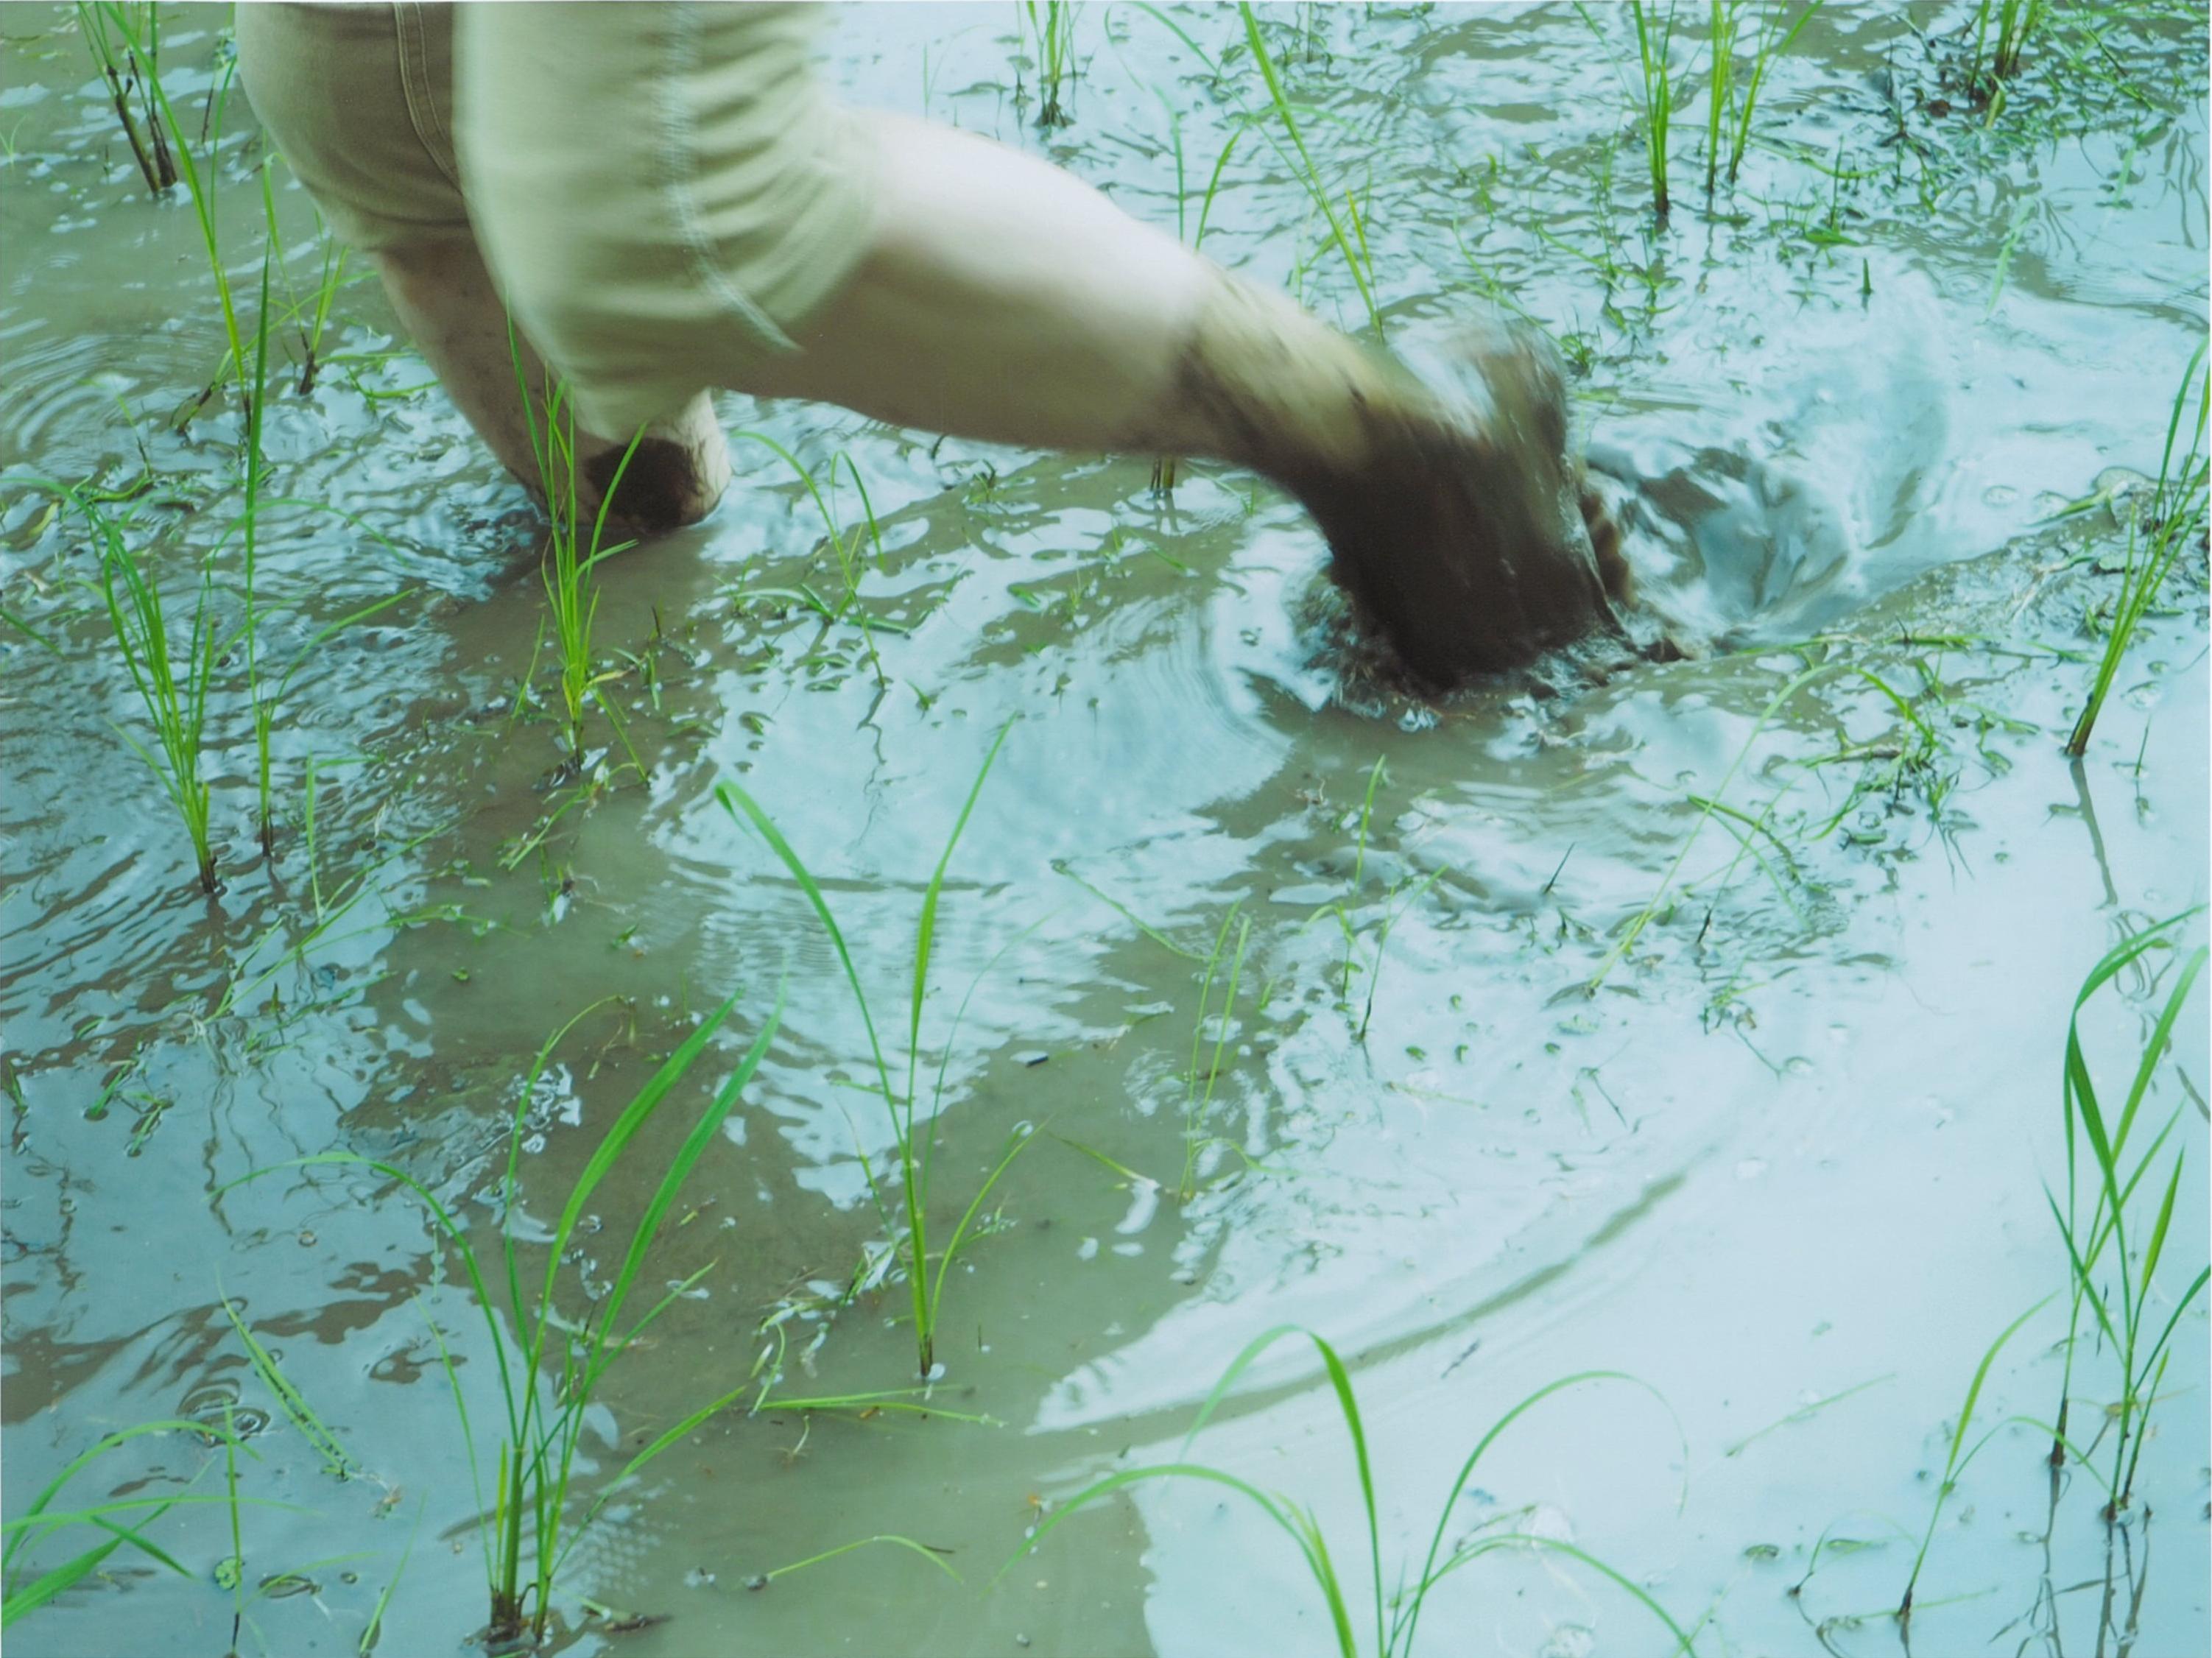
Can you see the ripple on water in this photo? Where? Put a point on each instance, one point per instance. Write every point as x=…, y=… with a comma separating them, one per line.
x=58, y=399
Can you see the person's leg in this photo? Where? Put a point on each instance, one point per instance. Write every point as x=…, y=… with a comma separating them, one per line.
x=358, y=97
x=445, y=300
x=1001, y=298
x=671, y=200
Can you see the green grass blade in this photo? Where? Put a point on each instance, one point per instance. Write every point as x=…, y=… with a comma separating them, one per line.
x=2155, y=1049
x=2085, y=1288
x=742, y=806
x=1238, y=1366
x=1340, y=1380
x=37, y=1593
x=925, y=934
x=703, y=1132
x=2157, y=1245
x=1115, y=1482
x=1430, y=1570
x=632, y=1118
x=891, y=1539
x=1951, y=1462
x=289, y=1399
x=1018, y=1142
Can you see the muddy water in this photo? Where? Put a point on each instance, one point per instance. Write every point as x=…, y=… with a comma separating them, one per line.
x=1785, y=1167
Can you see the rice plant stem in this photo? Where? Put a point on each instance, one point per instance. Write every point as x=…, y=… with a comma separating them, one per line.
x=176, y=707
x=155, y=164
x=1362, y=271
x=544, y=1429
x=1764, y=50
x=264, y=707
x=202, y=189
x=1654, y=39
x=2178, y=513
x=2078, y=1096
x=1951, y=1461
x=916, y=1149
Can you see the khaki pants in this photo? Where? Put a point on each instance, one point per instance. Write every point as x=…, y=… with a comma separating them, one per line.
x=662, y=192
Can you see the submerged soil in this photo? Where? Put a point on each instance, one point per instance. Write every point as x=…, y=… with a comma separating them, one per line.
x=1516, y=1059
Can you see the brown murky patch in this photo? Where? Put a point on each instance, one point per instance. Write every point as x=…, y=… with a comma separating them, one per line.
x=1455, y=515
x=662, y=489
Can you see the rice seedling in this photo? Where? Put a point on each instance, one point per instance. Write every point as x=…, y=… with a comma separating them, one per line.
x=1720, y=42
x=906, y=1215
x=1729, y=108
x=1388, y=1626
x=2157, y=534
x=1396, y=901
x=150, y=143
x=1954, y=1464
x=309, y=315
x=2016, y=20
x=551, y=1363
x=265, y=706
x=265, y=696
x=173, y=683
x=2120, y=1299
x=201, y=184
x=1654, y=94
x=1351, y=243
x=123, y=1521
x=570, y=563
x=1052, y=26
x=1655, y=39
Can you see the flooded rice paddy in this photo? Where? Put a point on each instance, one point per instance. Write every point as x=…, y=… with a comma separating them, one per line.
x=1703, y=1023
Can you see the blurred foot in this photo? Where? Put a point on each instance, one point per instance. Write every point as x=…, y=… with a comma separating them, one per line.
x=1467, y=538
x=1458, y=521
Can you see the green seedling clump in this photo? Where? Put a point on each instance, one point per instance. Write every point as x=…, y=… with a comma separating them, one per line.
x=1388, y=1624
x=2113, y=1264
x=1733, y=101
x=1052, y=26
x=141, y=127
x=571, y=561
x=2157, y=532
x=550, y=1362
x=904, y=1211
